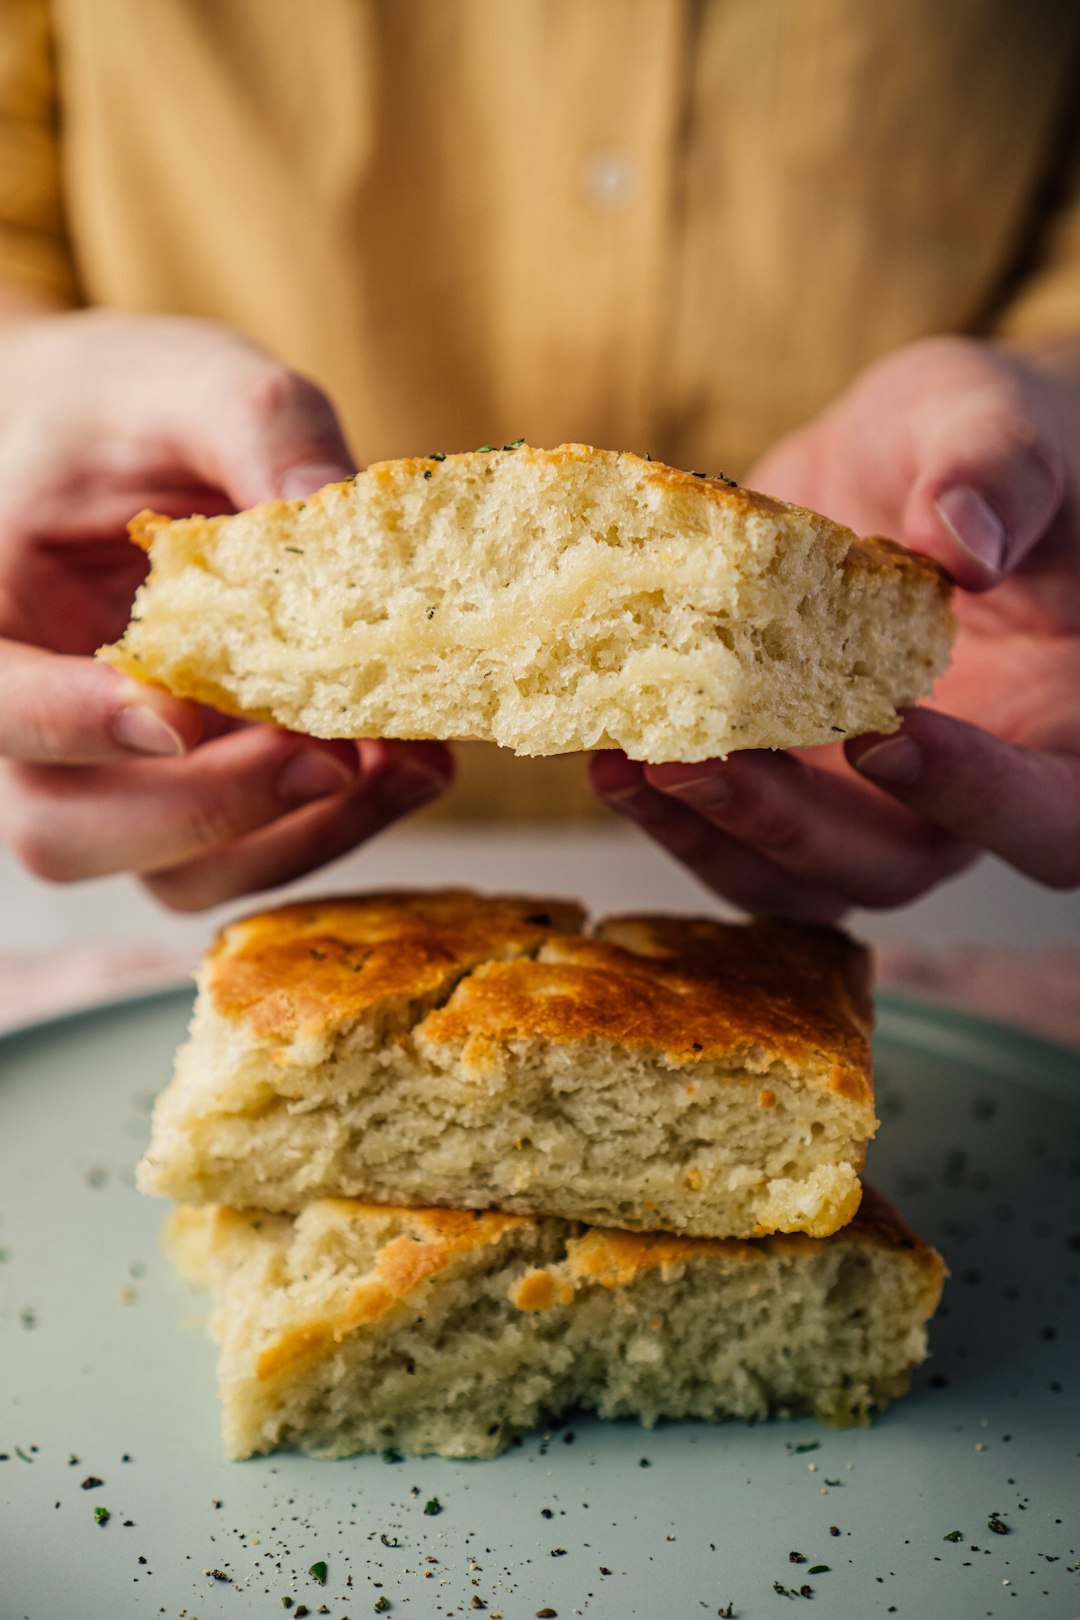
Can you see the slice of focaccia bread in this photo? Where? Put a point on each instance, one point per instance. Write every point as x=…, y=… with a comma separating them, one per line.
x=547, y=600
x=355, y=1327
x=481, y=1052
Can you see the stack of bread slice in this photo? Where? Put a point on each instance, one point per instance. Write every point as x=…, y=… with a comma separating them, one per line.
x=452, y=1164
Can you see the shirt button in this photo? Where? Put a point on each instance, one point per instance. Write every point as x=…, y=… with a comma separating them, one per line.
x=610, y=179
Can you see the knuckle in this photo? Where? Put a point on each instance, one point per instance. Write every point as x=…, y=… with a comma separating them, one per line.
x=1064, y=872
x=180, y=891
x=693, y=842
x=276, y=391
x=36, y=847
x=215, y=820
x=913, y=872
x=46, y=732
x=778, y=829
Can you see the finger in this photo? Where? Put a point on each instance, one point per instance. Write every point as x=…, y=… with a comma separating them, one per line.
x=74, y=711
x=988, y=479
x=724, y=864
x=821, y=828
x=1020, y=804
x=67, y=823
x=225, y=409
x=407, y=777
x=277, y=435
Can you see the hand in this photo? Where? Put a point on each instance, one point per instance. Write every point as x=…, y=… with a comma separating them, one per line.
x=969, y=454
x=102, y=414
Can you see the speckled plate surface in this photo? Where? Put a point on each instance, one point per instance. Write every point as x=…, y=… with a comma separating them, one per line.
x=106, y=1377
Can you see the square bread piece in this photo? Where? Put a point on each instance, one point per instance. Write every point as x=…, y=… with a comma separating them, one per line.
x=354, y=1327
x=547, y=600
x=482, y=1052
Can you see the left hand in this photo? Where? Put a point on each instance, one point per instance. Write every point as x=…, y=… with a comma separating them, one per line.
x=970, y=454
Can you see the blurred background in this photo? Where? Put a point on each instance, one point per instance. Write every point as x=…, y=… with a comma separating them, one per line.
x=681, y=226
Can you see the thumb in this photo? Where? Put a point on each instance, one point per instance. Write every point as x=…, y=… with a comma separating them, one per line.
x=224, y=408
x=987, y=481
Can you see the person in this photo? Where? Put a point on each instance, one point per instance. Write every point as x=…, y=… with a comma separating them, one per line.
x=833, y=247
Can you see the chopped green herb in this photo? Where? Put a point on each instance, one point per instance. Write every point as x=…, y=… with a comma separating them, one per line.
x=819, y=1569
x=19, y=1452
x=427, y=472
x=102, y=1515
x=433, y=1506
x=301, y=505
x=318, y=1571
x=484, y=449
x=437, y=455
x=804, y=1445
x=287, y=1602
x=295, y=549
x=728, y=1613
x=997, y=1525
x=318, y=956
x=392, y=1455
x=382, y=1603
x=515, y=444
x=953, y=1535
x=301, y=1610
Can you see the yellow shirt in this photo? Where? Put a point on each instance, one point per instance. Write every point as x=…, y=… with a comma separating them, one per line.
x=679, y=226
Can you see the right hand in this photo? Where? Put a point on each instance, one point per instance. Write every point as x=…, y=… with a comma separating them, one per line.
x=102, y=414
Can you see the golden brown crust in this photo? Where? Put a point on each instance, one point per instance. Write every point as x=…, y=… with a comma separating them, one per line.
x=425, y=1242
x=323, y=964
x=433, y=1240
x=691, y=989
x=144, y=526
x=873, y=552
x=612, y=1259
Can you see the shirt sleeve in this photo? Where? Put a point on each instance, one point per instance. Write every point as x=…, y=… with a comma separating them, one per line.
x=1046, y=303
x=34, y=251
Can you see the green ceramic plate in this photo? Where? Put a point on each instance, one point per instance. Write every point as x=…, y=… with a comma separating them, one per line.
x=106, y=1376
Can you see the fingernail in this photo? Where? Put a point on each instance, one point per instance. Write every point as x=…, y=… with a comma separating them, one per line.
x=407, y=786
x=312, y=774
x=895, y=759
x=144, y=731
x=299, y=482
x=974, y=525
x=712, y=788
